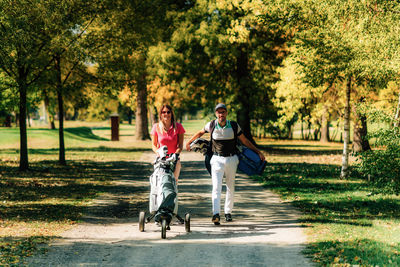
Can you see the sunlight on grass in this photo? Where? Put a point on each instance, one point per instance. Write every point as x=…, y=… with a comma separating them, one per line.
x=41, y=203
x=345, y=223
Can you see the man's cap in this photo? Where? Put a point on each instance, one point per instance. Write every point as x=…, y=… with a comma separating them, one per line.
x=220, y=105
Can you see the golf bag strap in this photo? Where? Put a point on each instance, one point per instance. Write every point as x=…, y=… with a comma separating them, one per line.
x=234, y=128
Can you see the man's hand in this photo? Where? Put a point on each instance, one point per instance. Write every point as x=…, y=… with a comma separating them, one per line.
x=194, y=137
x=247, y=143
x=188, y=146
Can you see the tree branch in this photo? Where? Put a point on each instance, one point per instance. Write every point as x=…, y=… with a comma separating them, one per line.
x=62, y=52
x=70, y=72
x=9, y=72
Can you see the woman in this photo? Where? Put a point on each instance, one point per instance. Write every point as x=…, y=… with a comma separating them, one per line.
x=168, y=132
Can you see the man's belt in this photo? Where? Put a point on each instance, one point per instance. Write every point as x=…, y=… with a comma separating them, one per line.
x=224, y=154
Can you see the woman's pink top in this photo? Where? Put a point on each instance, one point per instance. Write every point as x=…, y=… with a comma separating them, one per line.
x=170, y=138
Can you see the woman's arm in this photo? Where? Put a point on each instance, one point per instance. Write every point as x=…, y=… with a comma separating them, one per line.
x=180, y=143
x=154, y=143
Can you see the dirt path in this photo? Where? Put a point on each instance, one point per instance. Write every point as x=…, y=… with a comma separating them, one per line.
x=265, y=231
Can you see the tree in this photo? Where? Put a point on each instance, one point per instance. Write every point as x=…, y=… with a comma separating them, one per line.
x=28, y=30
x=340, y=39
x=130, y=28
x=226, y=54
x=23, y=53
x=69, y=62
x=295, y=98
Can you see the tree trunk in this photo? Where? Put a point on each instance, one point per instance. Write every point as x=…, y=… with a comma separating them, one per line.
x=325, y=126
x=76, y=114
x=317, y=132
x=396, y=117
x=142, y=131
x=243, y=94
x=265, y=130
x=52, y=124
x=290, y=133
x=60, y=111
x=23, y=150
x=50, y=114
x=130, y=115
x=309, y=130
x=360, y=141
x=153, y=114
x=28, y=118
x=302, y=130
x=345, y=156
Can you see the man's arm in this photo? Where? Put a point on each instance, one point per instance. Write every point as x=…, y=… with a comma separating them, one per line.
x=250, y=145
x=194, y=137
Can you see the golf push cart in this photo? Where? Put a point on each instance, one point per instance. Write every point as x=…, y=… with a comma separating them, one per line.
x=163, y=204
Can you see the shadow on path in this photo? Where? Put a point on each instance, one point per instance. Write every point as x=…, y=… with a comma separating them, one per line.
x=265, y=231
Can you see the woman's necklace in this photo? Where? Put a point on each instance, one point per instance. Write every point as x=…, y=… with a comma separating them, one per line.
x=165, y=128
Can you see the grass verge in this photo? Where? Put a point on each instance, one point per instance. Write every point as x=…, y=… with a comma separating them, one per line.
x=345, y=223
x=39, y=204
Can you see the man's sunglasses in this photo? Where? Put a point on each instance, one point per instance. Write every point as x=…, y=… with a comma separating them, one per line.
x=165, y=112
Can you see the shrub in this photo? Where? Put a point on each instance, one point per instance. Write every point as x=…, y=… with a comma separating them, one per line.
x=381, y=166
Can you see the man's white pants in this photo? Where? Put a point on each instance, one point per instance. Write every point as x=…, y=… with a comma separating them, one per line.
x=219, y=167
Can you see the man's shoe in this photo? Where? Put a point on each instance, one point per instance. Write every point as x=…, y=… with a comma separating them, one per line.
x=228, y=217
x=216, y=219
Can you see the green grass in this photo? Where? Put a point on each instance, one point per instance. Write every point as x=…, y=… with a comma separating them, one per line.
x=334, y=131
x=39, y=204
x=193, y=126
x=345, y=223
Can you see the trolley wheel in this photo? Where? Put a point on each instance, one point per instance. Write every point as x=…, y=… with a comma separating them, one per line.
x=164, y=228
x=141, y=221
x=187, y=222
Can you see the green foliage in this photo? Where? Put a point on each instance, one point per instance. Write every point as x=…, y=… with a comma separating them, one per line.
x=48, y=199
x=8, y=94
x=381, y=166
x=345, y=225
x=333, y=40
x=221, y=51
x=101, y=107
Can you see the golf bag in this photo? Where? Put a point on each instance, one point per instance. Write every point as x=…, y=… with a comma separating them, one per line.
x=163, y=189
x=249, y=161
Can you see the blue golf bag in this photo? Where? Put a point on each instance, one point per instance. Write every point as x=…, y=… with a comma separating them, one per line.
x=250, y=162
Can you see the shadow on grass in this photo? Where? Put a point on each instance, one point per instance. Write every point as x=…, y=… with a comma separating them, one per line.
x=14, y=249
x=317, y=191
x=76, y=132
x=299, y=150
x=52, y=151
x=26, y=195
x=85, y=133
x=364, y=252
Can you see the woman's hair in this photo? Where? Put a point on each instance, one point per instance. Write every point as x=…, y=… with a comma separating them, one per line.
x=172, y=114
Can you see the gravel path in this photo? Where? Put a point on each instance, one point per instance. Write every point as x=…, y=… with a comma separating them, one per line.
x=265, y=230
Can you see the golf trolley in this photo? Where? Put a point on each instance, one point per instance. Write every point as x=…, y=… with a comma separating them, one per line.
x=163, y=204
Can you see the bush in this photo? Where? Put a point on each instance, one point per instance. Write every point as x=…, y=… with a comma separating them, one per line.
x=381, y=166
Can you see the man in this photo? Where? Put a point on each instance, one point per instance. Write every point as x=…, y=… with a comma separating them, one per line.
x=224, y=159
